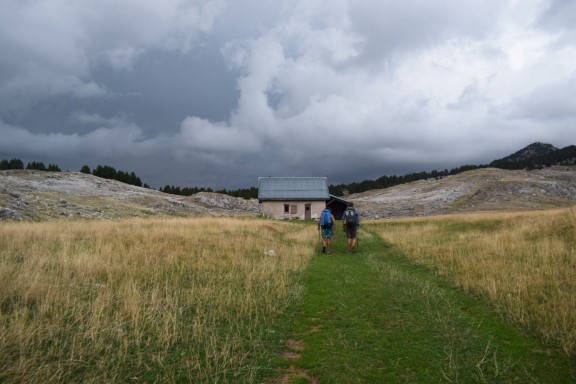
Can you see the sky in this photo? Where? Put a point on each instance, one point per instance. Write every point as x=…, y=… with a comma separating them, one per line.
x=216, y=93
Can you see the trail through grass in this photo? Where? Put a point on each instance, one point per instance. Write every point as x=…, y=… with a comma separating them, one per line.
x=373, y=317
x=201, y=300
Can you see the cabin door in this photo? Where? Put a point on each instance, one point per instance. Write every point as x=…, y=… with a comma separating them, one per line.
x=307, y=211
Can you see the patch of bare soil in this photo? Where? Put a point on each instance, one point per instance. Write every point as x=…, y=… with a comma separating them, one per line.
x=291, y=373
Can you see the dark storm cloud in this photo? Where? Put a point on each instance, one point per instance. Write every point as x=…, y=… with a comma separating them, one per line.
x=217, y=92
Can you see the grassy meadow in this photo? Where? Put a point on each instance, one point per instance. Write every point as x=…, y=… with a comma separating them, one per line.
x=199, y=300
x=523, y=263
x=156, y=300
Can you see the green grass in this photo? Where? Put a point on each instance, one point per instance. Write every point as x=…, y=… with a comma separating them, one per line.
x=197, y=300
x=373, y=317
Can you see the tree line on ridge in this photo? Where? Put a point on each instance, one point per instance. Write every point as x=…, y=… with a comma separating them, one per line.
x=534, y=156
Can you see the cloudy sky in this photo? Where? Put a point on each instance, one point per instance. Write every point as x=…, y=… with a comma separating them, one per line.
x=214, y=93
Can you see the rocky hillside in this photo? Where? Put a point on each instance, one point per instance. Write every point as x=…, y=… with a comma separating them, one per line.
x=486, y=189
x=36, y=195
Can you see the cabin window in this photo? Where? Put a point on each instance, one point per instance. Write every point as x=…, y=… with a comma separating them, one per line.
x=286, y=208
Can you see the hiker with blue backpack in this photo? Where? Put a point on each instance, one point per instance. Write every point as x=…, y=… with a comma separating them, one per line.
x=351, y=222
x=326, y=224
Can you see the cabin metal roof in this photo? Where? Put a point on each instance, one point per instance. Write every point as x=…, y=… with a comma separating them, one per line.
x=293, y=188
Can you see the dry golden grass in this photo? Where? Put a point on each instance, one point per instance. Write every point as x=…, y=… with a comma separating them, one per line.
x=523, y=262
x=143, y=300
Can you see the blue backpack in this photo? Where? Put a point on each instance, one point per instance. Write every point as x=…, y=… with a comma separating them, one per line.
x=326, y=219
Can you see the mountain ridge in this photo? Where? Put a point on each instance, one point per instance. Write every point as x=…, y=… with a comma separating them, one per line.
x=534, y=156
x=40, y=196
x=481, y=190
x=537, y=155
x=33, y=195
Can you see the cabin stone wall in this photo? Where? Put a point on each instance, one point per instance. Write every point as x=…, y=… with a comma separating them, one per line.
x=292, y=209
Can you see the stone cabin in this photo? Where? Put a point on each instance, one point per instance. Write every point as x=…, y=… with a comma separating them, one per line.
x=297, y=198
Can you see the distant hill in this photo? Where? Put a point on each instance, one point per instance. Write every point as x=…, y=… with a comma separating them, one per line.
x=537, y=155
x=39, y=196
x=31, y=195
x=479, y=190
x=539, y=176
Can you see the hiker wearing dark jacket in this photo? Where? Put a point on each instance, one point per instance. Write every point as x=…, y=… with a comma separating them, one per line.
x=351, y=222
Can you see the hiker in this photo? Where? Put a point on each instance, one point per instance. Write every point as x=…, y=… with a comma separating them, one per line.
x=326, y=224
x=351, y=222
